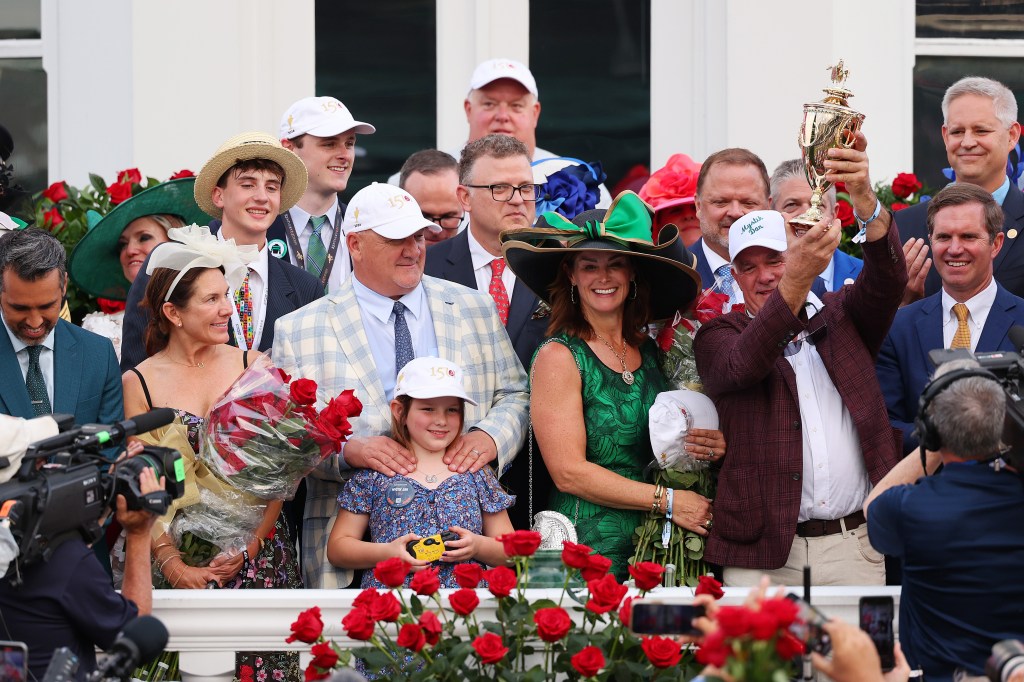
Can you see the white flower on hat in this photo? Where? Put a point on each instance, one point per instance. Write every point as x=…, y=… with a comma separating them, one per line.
x=195, y=247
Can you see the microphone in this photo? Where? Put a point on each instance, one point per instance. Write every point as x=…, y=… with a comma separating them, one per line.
x=1017, y=338
x=142, y=640
x=96, y=434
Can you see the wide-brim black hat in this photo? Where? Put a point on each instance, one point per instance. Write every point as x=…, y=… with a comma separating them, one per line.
x=536, y=254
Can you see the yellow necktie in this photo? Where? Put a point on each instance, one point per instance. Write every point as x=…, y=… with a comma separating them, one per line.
x=962, y=337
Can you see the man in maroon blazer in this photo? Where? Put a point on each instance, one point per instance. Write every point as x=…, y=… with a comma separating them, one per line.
x=794, y=382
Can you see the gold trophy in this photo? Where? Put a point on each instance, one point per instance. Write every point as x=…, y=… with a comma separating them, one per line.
x=827, y=124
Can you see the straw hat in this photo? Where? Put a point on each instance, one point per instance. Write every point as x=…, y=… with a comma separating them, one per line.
x=95, y=266
x=251, y=145
x=535, y=255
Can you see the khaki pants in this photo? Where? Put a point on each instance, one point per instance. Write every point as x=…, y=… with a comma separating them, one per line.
x=845, y=558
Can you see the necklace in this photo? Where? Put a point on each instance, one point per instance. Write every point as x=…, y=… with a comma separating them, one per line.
x=199, y=364
x=430, y=478
x=627, y=376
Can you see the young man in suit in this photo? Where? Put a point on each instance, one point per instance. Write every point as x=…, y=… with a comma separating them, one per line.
x=358, y=338
x=247, y=183
x=972, y=310
x=48, y=365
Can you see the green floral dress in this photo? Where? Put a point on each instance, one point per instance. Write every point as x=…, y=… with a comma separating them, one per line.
x=618, y=438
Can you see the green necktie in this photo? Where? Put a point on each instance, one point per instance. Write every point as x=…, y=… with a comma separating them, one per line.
x=36, y=384
x=316, y=253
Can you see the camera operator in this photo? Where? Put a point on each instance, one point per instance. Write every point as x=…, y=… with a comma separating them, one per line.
x=67, y=600
x=959, y=533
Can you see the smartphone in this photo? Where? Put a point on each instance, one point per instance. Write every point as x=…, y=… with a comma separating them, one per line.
x=13, y=661
x=809, y=626
x=876, y=616
x=431, y=547
x=654, y=618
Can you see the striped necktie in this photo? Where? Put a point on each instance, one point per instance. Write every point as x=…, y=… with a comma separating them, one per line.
x=243, y=301
x=316, y=252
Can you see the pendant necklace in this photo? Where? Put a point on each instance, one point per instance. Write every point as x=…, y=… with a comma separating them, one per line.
x=627, y=376
x=430, y=478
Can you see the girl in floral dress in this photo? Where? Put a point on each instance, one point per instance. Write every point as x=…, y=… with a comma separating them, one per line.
x=427, y=415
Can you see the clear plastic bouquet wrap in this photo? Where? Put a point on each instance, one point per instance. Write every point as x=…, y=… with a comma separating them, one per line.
x=265, y=433
x=220, y=522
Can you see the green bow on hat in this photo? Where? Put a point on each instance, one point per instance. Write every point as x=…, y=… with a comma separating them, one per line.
x=628, y=220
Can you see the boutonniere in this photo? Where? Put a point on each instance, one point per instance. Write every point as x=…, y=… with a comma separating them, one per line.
x=543, y=310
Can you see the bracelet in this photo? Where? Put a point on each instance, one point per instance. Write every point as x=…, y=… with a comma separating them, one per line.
x=874, y=216
x=164, y=562
x=181, y=572
x=656, y=504
x=162, y=544
x=245, y=557
x=670, y=493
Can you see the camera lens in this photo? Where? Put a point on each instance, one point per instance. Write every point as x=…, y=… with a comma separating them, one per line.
x=1007, y=657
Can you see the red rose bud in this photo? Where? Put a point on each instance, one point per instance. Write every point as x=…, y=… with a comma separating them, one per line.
x=597, y=567
x=605, y=594
x=626, y=610
x=110, y=306
x=905, y=184
x=520, y=542
x=358, y=624
x=898, y=206
x=552, y=623
x=130, y=175
x=588, y=662
x=308, y=627
x=489, y=648
x=783, y=610
x=119, y=192
x=411, y=637
x=312, y=673
x=468, y=574
x=431, y=625
x=386, y=608
x=662, y=652
x=350, y=403
x=392, y=571
x=734, y=620
x=844, y=211
x=56, y=192
x=183, y=173
x=763, y=625
x=52, y=218
x=713, y=651
x=646, y=575
x=787, y=646
x=324, y=655
x=425, y=583
x=463, y=601
x=575, y=556
x=501, y=580
x=303, y=391
x=706, y=584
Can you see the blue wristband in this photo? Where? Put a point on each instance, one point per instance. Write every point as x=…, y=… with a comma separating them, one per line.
x=874, y=216
x=668, y=503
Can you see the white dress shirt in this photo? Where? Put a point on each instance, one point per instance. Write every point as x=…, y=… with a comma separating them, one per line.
x=45, y=357
x=978, y=308
x=714, y=262
x=342, y=264
x=482, y=267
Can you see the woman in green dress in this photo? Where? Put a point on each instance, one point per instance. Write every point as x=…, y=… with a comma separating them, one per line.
x=594, y=380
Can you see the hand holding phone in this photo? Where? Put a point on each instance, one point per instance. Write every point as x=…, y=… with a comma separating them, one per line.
x=876, y=616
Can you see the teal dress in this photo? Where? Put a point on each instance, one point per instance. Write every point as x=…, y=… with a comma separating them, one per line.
x=618, y=439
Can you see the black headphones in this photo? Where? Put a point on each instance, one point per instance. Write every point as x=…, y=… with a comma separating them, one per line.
x=924, y=429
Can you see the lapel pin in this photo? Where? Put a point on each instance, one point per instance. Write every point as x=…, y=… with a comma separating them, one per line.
x=1012, y=233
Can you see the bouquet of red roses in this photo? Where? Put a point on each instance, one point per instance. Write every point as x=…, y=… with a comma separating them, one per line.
x=265, y=433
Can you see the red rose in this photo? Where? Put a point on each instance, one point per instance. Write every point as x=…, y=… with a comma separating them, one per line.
x=707, y=584
x=597, y=567
x=392, y=571
x=520, y=542
x=783, y=610
x=411, y=637
x=605, y=594
x=110, y=306
x=711, y=305
x=119, y=191
x=303, y=391
x=350, y=403
x=386, y=608
x=324, y=655
x=56, y=192
x=844, y=211
x=664, y=341
x=312, y=673
x=625, y=611
x=646, y=575
x=308, y=627
x=463, y=601
x=588, y=662
x=489, y=648
x=841, y=187
x=246, y=671
x=183, y=173
x=366, y=599
x=130, y=175
x=468, y=574
x=905, y=184
x=52, y=218
x=763, y=625
x=279, y=374
x=713, y=651
x=662, y=652
x=501, y=580
x=358, y=624
x=552, y=623
x=787, y=646
x=734, y=620
x=898, y=206
x=425, y=583
x=575, y=556
x=431, y=625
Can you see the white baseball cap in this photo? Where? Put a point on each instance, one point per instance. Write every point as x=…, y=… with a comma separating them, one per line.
x=495, y=69
x=389, y=211
x=322, y=117
x=758, y=228
x=431, y=378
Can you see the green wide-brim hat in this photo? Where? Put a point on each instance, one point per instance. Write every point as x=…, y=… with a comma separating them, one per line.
x=95, y=265
x=536, y=254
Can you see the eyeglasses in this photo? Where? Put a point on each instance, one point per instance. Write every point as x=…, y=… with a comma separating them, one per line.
x=812, y=334
x=446, y=222
x=503, y=191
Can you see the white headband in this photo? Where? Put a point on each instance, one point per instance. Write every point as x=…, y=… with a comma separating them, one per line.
x=194, y=247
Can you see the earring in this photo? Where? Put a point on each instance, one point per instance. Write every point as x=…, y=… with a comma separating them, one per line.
x=632, y=296
x=179, y=324
x=572, y=293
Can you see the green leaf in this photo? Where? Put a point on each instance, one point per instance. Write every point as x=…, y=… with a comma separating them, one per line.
x=97, y=182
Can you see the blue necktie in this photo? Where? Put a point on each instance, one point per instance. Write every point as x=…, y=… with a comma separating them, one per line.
x=725, y=281
x=35, y=383
x=403, y=339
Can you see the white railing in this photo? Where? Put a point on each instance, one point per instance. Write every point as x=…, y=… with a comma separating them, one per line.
x=208, y=626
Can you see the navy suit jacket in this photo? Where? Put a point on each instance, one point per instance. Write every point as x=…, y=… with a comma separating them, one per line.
x=903, y=367
x=707, y=275
x=86, y=379
x=1008, y=267
x=845, y=267
x=290, y=289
